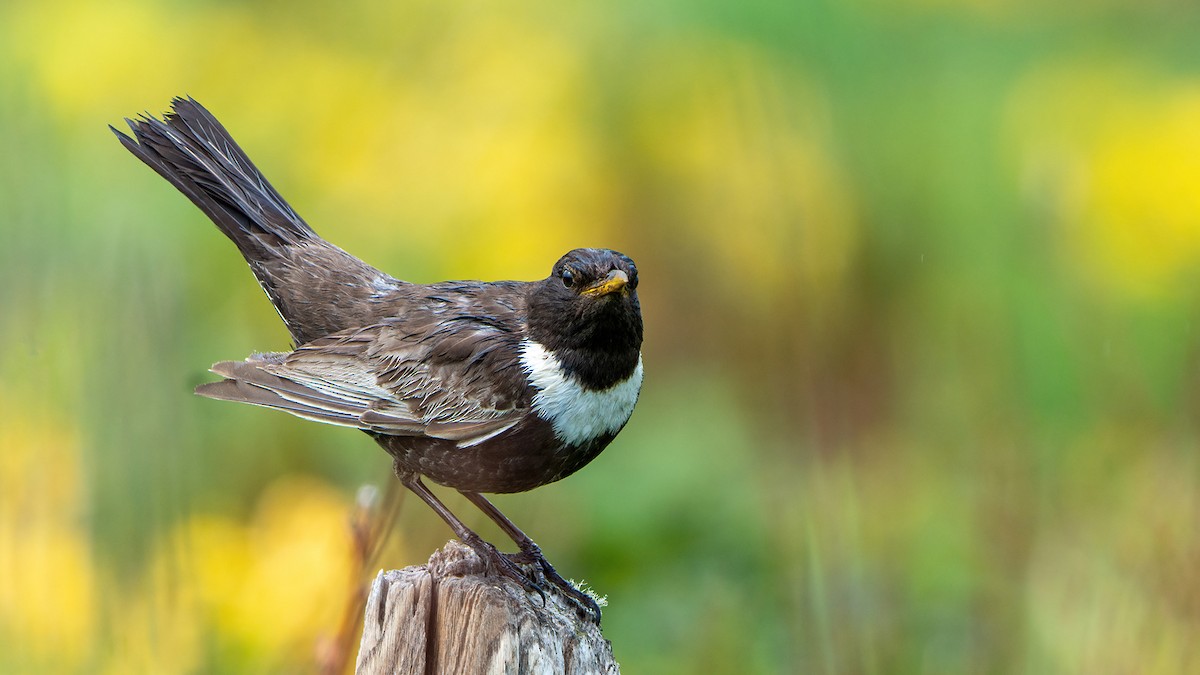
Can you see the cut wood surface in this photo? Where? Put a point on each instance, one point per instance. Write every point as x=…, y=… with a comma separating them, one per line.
x=448, y=616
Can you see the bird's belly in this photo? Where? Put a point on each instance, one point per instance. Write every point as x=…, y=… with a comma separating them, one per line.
x=528, y=456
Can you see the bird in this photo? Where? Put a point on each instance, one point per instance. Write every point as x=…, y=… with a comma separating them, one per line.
x=483, y=387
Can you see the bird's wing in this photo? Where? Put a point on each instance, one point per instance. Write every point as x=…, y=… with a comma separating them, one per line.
x=459, y=380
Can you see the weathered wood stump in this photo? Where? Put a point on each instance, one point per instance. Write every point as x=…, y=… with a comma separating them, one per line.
x=449, y=617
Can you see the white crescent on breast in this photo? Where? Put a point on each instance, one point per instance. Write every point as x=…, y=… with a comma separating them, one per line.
x=578, y=415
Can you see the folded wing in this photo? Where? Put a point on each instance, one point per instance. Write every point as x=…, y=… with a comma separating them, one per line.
x=459, y=382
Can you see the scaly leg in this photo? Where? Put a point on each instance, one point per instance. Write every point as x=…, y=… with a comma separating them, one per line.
x=531, y=551
x=493, y=558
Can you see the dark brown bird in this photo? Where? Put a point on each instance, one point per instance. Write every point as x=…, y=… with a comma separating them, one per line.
x=482, y=387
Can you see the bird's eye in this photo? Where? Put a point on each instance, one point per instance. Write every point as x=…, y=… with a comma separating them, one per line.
x=568, y=277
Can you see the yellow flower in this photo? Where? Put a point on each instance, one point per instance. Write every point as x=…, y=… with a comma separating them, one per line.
x=47, y=582
x=1111, y=156
x=273, y=587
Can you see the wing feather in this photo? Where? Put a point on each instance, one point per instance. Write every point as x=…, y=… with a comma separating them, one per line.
x=387, y=379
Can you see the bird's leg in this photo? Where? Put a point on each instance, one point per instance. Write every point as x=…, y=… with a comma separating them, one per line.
x=493, y=558
x=532, y=553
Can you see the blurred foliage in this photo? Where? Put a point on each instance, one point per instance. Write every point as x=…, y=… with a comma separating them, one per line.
x=920, y=291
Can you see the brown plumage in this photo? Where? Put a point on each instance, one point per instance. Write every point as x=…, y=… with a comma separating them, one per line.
x=483, y=387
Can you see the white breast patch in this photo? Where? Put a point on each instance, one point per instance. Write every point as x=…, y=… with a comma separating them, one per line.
x=578, y=415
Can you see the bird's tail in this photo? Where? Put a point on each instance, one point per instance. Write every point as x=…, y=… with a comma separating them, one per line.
x=191, y=149
x=317, y=288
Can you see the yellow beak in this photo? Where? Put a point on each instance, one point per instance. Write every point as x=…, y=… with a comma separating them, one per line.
x=615, y=281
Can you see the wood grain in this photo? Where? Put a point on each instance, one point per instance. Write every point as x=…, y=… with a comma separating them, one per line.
x=449, y=616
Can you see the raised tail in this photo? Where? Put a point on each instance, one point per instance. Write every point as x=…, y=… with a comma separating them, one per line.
x=197, y=155
x=317, y=288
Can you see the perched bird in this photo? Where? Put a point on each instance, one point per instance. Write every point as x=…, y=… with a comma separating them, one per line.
x=482, y=387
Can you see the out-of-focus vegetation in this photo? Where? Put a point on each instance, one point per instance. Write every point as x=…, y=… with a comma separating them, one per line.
x=920, y=284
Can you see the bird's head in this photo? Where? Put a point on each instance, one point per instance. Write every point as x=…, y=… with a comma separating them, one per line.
x=589, y=302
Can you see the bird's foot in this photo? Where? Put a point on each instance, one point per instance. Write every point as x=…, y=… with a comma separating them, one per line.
x=504, y=565
x=532, y=553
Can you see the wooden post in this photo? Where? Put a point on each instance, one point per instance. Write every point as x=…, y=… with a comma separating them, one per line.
x=449, y=617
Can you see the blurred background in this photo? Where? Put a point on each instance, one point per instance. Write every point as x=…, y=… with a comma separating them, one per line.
x=920, y=285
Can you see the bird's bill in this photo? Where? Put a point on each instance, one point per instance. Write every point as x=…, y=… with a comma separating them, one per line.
x=615, y=281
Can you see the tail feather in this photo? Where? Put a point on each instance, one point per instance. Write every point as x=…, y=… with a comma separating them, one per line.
x=197, y=155
x=317, y=288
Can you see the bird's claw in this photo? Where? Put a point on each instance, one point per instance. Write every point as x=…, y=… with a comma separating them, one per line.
x=510, y=565
x=505, y=566
x=585, y=601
